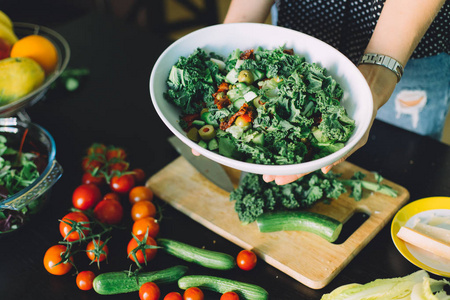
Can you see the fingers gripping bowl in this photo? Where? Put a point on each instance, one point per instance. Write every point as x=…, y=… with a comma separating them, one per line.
x=224, y=39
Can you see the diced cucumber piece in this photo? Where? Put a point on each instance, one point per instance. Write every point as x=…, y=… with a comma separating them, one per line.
x=213, y=145
x=198, y=123
x=203, y=144
x=257, y=74
x=219, y=63
x=238, y=103
x=258, y=139
x=207, y=117
x=239, y=63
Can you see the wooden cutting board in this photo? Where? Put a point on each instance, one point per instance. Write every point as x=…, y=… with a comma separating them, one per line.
x=304, y=256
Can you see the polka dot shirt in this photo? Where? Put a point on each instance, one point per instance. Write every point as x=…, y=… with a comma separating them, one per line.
x=347, y=25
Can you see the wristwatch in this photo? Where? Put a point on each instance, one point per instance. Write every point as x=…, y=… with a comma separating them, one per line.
x=383, y=60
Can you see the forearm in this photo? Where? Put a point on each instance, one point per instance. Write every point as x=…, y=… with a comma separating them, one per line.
x=254, y=11
x=401, y=26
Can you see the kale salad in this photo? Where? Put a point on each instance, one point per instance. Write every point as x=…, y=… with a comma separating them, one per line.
x=261, y=106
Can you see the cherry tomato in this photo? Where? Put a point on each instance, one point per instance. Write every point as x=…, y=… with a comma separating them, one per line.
x=115, y=152
x=53, y=256
x=122, y=184
x=229, y=296
x=86, y=196
x=85, y=280
x=173, y=296
x=109, y=211
x=246, y=260
x=89, y=178
x=143, y=209
x=112, y=196
x=139, y=175
x=92, y=162
x=96, y=148
x=149, y=253
x=118, y=165
x=141, y=226
x=74, y=219
x=193, y=293
x=97, y=250
x=139, y=193
x=149, y=291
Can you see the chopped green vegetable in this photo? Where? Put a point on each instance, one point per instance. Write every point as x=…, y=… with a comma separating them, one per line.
x=254, y=196
x=417, y=285
x=293, y=97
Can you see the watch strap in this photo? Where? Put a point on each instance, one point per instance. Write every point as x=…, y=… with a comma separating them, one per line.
x=383, y=60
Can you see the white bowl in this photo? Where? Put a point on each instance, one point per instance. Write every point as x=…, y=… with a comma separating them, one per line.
x=225, y=38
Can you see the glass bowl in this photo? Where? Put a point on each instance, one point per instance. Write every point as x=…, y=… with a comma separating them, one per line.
x=30, y=200
x=25, y=29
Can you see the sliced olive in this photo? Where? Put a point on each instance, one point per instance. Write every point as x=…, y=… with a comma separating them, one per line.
x=246, y=76
x=207, y=132
x=193, y=134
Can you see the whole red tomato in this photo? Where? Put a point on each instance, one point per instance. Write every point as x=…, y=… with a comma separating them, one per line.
x=143, y=209
x=89, y=178
x=229, y=296
x=149, y=291
x=246, y=260
x=92, y=162
x=115, y=152
x=97, y=250
x=122, y=184
x=193, y=293
x=86, y=196
x=109, y=211
x=141, y=226
x=73, y=225
x=112, y=196
x=149, y=253
x=139, y=175
x=85, y=280
x=173, y=296
x=52, y=259
x=118, y=165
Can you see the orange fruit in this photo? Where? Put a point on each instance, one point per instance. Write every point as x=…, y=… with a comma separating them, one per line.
x=39, y=49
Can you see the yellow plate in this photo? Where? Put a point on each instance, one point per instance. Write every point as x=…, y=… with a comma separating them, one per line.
x=424, y=209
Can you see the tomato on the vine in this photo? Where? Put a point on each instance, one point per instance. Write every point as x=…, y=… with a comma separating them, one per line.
x=97, y=250
x=139, y=175
x=246, y=260
x=118, y=165
x=139, y=193
x=193, y=293
x=112, y=196
x=73, y=225
x=86, y=196
x=92, y=162
x=96, y=148
x=122, y=184
x=143, y=209
x=229, y=296
x=89, y=178
x=115, y=152
x=109, y=211
x=141, y=226
x=52, y=260
x=85, y=280
x=150, y=253
x=149, y=291
x=173, y=296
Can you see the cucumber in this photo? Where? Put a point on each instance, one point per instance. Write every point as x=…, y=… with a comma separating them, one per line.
x=206, y=258
x=324, y=226
x=112, y=283
x=246, y=291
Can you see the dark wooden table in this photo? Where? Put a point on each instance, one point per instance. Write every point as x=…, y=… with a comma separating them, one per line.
x=113, y=107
